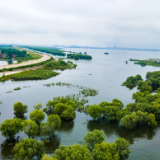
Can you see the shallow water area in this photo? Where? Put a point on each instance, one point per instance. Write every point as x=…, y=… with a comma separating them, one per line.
x=104, y=73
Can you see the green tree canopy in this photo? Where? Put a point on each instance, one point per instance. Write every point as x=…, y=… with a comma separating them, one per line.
x=20, y=109
x=10, y=127
x=38, y=106
x=122, y=147
x=91, y=138
x=105, y=151
x=74, y=152
x=30, y=128
x=28, y=148
x=54, y=118
x=95, y=111
x=37, y=116
x=47, y=129
x=47, y=157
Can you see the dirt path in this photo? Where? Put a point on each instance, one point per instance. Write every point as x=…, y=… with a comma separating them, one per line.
x=44, y=58
x=24, y=69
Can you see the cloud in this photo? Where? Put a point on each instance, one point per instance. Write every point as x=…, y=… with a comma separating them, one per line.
x=87, y=22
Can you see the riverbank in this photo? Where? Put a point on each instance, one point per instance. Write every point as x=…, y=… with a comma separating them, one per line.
x=24, y=69
x=44, y=58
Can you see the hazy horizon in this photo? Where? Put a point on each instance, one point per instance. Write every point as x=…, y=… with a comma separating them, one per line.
x=104, y=23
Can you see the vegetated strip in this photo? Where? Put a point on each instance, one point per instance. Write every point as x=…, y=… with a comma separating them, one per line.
x=42, y=73
x=51, y=50
x=26, y=66
x=79, y=56
x=149, y=62
x=38, y=74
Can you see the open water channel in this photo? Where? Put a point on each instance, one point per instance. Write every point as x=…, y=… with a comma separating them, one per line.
x=104, y=73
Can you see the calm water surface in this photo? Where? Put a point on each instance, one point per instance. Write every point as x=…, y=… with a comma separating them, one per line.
x=108, y=72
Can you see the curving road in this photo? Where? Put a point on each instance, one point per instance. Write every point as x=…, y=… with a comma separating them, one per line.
x=44, y=58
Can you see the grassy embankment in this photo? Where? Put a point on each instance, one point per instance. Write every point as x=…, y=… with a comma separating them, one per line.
x=31, y=55
x=149, y=62
x=51, y=50
x=42, y=73
x=21, y=54
x=26, y=66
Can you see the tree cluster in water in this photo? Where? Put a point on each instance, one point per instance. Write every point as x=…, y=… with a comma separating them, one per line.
x=145, y=110
x=94, y=148
x=79, y=56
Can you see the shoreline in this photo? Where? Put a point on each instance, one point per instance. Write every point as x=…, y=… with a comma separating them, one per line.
x=44, y=58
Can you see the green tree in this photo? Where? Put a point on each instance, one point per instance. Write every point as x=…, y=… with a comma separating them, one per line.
x=105, y=151
x=20, y=109
x=95, y=111
x=122, y=147
x=28, y=149
x=110, y=112
x=10, y=127
x=37, y=116
x=47, y=157
x=91, y=138
x=54, y=118
x=129, y=121
x=152, y=121
x=38, y=106
x=117, y=103
x=30, y=128
x=64, y=111
x=73, y=152
x=47, y=129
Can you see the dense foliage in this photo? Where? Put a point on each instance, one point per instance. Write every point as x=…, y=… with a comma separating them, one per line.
x=30, y=75
x=42, y=73
x=51, y=50
x=30, y=128
x=19, y=109
x=74, y=152
x=60, y=64
x=12, y=52
x=48, y=128
x=65, y=106
x=95, y=149
x=132, y=81
x=79, y=56
x=149, y=62
x=10, y=127
x=37, y=116
x=47, y=157
x=92, y=138
x=28, y=149
x=146, y=109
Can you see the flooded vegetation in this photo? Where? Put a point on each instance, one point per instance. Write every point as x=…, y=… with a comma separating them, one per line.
x=68, y=110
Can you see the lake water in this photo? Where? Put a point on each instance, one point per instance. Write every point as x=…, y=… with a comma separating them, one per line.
x=5, y=62
x=108, y=72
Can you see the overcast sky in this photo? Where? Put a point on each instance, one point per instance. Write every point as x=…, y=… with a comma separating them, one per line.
x=104, y=23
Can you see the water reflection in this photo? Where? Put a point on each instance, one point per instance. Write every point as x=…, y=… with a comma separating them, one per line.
x=51, y=146
x=7, y=148
x=10, y=62
x=113, y=128
x=67, y=126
